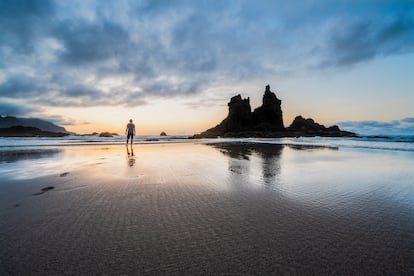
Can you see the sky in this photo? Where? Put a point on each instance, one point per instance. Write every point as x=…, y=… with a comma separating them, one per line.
x=172, y=65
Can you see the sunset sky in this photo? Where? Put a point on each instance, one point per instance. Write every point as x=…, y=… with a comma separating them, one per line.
x=173, y=65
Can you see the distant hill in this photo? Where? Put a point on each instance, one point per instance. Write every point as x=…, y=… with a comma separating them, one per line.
x=10, y=121
x=21, y=131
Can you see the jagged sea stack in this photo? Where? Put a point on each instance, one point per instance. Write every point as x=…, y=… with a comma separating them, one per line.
x=239, y=117
x=269, y=116
x=241, y=121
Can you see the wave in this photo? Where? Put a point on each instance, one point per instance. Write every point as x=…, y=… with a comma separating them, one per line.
x=394, y=143
x=81, y=140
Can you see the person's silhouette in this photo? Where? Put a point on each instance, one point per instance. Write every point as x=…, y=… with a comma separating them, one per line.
x=130, y=131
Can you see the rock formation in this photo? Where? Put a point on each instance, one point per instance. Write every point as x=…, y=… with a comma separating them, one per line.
x=240, y=119
x=107, y=134
x=308, y=127
x=266, y=121
x=163, y=134
x=269, y=115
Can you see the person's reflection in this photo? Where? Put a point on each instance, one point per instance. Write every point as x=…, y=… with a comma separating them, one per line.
x=130, y=155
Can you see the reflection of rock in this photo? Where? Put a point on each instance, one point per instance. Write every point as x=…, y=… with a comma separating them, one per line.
x=235, y=150
x=269, y=154
x=266, y=121
x=163, y=134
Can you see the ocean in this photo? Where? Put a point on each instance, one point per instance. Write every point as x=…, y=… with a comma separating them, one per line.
x=393, y=143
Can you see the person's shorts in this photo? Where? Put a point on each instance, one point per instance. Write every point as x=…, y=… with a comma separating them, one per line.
x=130, y=135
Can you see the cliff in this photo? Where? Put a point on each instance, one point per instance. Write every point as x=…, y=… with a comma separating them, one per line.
x=10, y=121
x=21, y=131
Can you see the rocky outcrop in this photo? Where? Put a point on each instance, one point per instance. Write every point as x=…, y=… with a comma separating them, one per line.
x=163, y=134
x=308, y=127
x=240, y=115
x=266, y=121
x=107, y=134
x=88, y=134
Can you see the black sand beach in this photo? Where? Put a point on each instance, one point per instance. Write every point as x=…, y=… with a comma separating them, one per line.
x=208, y=209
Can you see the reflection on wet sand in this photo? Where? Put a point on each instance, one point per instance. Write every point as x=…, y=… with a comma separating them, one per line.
x=269, y=157
x=208, y=209
x=11, y=156
x=130, y=155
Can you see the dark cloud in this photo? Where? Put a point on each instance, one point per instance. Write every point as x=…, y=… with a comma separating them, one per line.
x=86, y=43
x=369, y=38
x=172, y=87
x=19, y=85
x=22, y=22
x=82, y=91
x=13, y=109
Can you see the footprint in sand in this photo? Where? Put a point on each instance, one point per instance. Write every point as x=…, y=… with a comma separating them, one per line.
x=44, y=190
x=64, y=174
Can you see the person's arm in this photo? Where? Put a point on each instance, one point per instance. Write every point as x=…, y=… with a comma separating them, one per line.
x=126, y=130
x=133, y=129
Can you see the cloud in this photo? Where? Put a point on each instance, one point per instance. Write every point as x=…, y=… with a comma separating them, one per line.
x=19, y=85
x=366, y=39
x=13, y=109
x=22, y=22
x=64, y=121
x=395, y=127
x=128, y=52
x=408, y=120
x=87, y=43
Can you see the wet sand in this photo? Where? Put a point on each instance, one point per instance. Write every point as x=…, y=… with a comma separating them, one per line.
x=207, y=209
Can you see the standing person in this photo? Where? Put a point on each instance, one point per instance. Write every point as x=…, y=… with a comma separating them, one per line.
x=130, y=131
